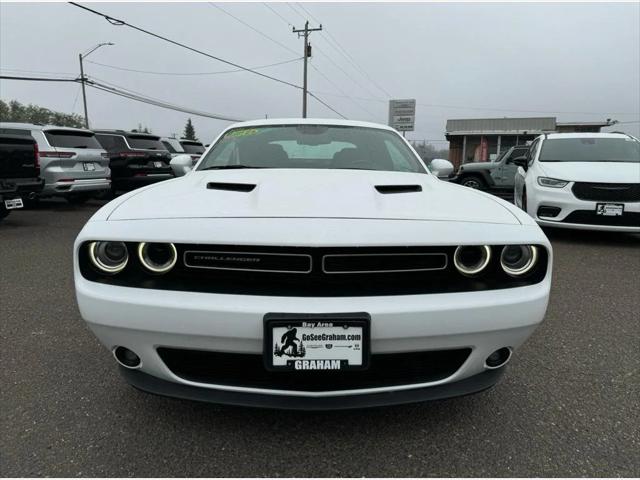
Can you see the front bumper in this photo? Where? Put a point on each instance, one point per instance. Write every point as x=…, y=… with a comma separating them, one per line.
x=564, y=199
x=155, y=385
x=137, y=181
x=481, y=321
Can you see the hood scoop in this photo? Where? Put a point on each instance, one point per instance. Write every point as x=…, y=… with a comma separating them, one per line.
x=388, y=189
x=231, y=187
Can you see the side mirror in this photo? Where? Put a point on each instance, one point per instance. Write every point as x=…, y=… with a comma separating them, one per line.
x=521, y=161
x=181, y=165
x=441, y=168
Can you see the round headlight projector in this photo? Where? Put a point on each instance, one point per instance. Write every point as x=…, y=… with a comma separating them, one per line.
x=157, y=257
x=517, y=260
x=471, y=259
x=109, y=257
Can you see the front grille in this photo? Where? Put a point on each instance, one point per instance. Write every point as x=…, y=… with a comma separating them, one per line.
x=247, y=370
x=383, y=262
x=314, y=271
x=607, y=192
x=589, y=217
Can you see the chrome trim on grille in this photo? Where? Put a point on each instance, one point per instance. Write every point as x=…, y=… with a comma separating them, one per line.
x=324, y=270
x=184, y=260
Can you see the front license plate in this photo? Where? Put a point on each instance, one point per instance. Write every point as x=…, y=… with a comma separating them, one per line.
x=158, y=164
x=610, y=209
x=89, y=167
x=308, y=342
x=13, y=203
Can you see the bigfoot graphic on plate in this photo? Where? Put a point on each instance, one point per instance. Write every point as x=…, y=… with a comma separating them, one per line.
x=317, y=342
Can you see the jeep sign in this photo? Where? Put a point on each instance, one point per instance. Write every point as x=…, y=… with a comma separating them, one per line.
x=402, y=114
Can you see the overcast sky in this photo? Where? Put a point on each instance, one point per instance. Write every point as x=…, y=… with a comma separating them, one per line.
x=579, y=62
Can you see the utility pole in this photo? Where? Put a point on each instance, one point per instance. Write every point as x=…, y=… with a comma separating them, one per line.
x=307, y=53
x=84, y=93
x=83, y=79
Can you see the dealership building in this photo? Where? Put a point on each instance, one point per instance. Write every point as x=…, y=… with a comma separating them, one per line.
x=482, y=139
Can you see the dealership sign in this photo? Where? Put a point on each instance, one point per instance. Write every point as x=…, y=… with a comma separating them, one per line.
x=402, y=114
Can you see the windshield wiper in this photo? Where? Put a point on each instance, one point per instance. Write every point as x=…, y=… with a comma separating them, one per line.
x=228, y=167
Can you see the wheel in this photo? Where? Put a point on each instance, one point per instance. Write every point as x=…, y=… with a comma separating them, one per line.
x=473, y=181
x=3, y=211
x=77, y=199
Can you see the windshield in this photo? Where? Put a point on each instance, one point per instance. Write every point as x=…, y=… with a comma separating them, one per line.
x=173, y=148
x=71, y=139
x=312, y=146
x=590, y=149
x=192, y=147
x=145, y=142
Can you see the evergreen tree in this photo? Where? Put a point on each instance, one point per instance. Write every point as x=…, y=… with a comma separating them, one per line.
x=189, y=131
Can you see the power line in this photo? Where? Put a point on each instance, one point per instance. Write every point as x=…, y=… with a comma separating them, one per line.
x=340, y=49
x=326, y=104
x=330, y=59
x=117, y=22
x=193, y=73
x=128, y=94
x=261, y=33
x=38, y=79
x=253, y=28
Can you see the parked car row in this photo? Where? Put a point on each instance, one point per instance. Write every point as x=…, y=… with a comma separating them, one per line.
x=568, y=180
x=78, y=164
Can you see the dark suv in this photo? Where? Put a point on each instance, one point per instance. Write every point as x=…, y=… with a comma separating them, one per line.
x=136, y=159
x=19, y=172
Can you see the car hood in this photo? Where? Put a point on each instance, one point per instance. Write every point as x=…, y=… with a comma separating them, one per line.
x=597, y=172
x=310, y=193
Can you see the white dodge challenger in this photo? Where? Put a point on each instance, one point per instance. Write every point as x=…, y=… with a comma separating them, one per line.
x=311, y=264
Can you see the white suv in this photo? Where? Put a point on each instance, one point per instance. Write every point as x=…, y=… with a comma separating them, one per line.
x=588, y=181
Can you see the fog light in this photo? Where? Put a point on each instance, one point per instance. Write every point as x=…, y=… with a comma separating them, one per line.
x=109, y=257
x=549, y=212
x=157, y=257
x=471, y=259
x=498, y=358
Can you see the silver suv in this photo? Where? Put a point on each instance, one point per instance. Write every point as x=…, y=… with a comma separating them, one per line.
x=184, y=146
x=72, y=162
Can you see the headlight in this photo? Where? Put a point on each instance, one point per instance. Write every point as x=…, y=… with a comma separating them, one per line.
x=157, y=257
x=516, y=260
x=471, y=259
x=109, y=257
x=551, y=182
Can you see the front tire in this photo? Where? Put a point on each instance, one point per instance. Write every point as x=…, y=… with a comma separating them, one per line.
x=474, y=181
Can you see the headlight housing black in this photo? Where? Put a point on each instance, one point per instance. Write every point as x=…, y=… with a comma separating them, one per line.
x=518, y=260
x=471, y=260
x=109, y=257
x=157, y=257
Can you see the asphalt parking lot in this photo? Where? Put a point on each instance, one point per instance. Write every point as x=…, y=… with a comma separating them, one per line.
x=568, y=404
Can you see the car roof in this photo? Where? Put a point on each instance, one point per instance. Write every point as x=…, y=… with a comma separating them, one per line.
x=125, y=133
x=550, y=136
x=35, y=126
x=309, y=121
